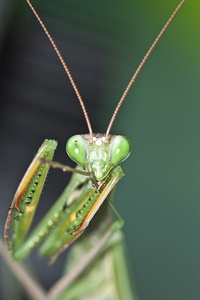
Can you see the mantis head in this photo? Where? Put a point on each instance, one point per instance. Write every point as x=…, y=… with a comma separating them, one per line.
x=100, y=153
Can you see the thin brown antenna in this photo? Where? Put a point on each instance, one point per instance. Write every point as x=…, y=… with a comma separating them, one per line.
x=64, y=66
x=140, y=67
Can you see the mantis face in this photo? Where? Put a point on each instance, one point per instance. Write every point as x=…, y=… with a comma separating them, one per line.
x=98, y=154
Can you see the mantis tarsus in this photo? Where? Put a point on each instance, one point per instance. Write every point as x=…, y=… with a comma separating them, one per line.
x=93, y=181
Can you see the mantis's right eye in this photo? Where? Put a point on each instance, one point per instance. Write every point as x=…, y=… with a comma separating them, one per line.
x=76, y=149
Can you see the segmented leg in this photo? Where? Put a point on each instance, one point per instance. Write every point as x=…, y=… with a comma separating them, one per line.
x=64, y=168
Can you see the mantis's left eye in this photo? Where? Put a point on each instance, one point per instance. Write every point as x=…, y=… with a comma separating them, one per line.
x=76, y=149
x=120, y=149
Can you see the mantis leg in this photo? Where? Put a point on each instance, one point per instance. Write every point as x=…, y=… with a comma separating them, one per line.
x=117, y=225
x=64, y=168
x=28, y=193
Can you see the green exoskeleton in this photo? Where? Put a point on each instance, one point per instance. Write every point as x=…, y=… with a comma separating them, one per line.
x=98, y=157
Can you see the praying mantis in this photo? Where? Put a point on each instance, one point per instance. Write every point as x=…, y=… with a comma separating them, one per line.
x=97, y=155
x=17, y=217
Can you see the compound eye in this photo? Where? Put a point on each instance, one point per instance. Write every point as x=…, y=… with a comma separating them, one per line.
x=76, y=149
x=120, y=149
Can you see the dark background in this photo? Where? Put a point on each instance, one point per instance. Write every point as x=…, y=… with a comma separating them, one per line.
x=103, y=42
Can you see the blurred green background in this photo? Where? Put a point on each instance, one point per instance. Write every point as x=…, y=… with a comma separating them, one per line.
x=103, y=42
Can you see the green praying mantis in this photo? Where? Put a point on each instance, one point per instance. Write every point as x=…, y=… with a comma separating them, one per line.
x=98, y=157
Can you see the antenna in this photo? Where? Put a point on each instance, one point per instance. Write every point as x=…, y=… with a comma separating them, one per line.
x=140, y=67
x=65, y=67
